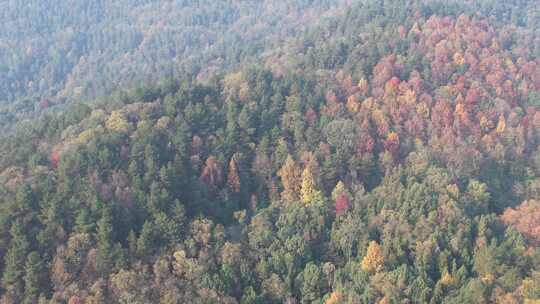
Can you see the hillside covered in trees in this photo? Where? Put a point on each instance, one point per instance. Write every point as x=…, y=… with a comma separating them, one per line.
x=381, y=152
x=52, y=52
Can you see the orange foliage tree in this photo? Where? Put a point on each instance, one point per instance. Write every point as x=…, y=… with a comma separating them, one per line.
x=526, y=219
x=374, y=259
x=291, y=179
x=335, y=298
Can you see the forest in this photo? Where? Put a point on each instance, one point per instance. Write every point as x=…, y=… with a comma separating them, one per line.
x=326, y=152
x=52, y=52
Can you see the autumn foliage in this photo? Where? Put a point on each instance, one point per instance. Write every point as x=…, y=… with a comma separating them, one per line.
x=307, y=188
x=383, y=165
x=335, y=298
x=342, y=203
x=117, y=122
x=373, y=261
x=526, y=219
x=211, y=174
x=233, y=179
x=291, y=179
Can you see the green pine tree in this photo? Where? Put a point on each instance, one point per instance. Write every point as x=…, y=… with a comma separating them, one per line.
x=83, y=222
x=132, y=245
x=104, y=243
x=12, y=278
x=144, y=243
x=33, y=278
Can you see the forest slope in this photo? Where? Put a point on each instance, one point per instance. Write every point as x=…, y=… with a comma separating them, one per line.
x=391, y=155
x=57, y=51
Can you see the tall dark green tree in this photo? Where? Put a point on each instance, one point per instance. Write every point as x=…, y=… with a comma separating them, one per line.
x=14, y=261
x=34, y=278
x=83, y=222
x=104, y=239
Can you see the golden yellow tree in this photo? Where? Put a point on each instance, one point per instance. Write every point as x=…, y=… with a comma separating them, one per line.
x=501, y=125
x=352, y=104
x=307, y=189
x=117, y=122
x=339, y=189
x=85, y=136
x=363, y=85
x=447, y=279
x=374, y=259
x=163, y=123
x=423, y=109
x=393, y=136
x=384, y=300
x=290, y=178
x=458, y=58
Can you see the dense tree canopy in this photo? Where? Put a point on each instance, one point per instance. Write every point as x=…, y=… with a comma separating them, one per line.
x=390, y=154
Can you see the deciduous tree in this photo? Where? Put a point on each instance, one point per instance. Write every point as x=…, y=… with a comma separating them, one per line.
x=308, y=189
x=291, y=179
x=233, y=178
x=373, y=261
